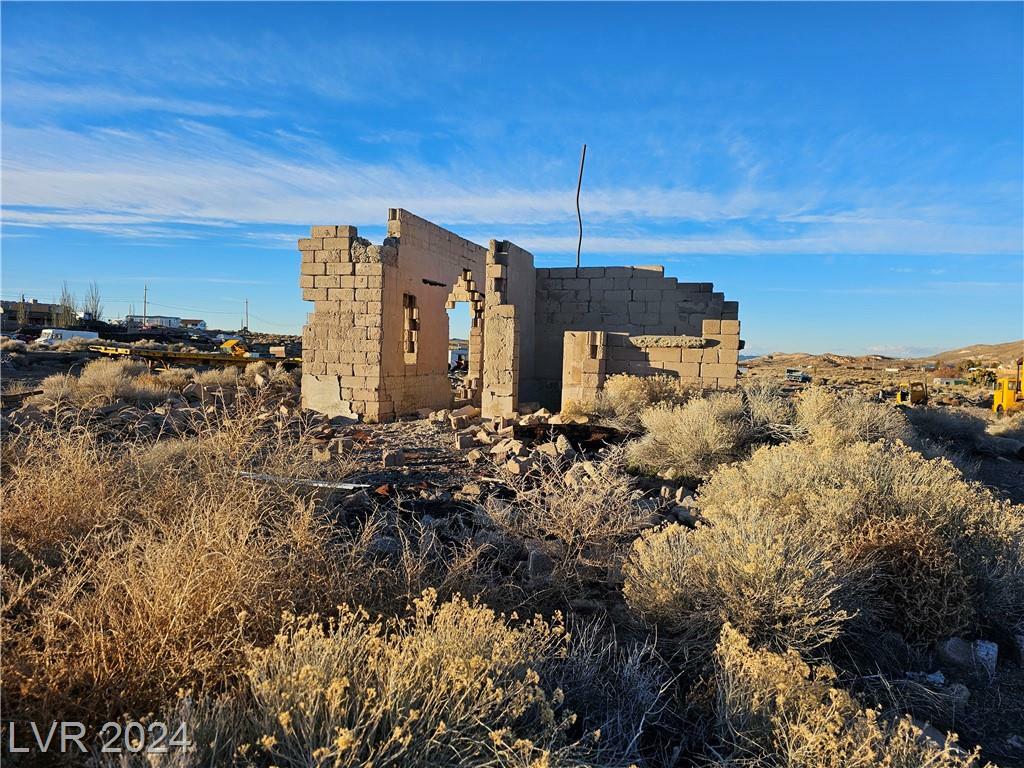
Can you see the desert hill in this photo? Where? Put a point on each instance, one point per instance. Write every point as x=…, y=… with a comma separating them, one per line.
x=992, y=354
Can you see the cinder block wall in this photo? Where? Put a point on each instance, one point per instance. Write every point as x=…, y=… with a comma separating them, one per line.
x=376, y=345
x=431, y=263
x=709, y=361
x=508, y=328
x=342, y=275
x=630, y=300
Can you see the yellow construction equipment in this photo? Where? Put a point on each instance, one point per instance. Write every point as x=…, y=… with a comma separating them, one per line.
x=912, y=393
x=1007, y=398
x=234, y=353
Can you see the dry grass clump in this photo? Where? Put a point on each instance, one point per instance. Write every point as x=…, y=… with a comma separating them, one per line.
x=7, y=344
x=771, y=577
x=226, y=377
x=139, y=568
x=583, y=517
x=690, y=440
x=58, y=489
x=107, y=380
x=625, y=397
x=451, y=684
x=1011, y=427
x=827, y=417
x=173, y=605
x=773, y=709
x=916, y=523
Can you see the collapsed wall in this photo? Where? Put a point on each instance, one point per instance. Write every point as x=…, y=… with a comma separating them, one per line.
x=376, y=345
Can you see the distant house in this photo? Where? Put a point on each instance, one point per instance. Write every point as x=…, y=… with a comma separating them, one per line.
x=940, y=381
x=193, y=324
x=36, y=312
x=162, y=321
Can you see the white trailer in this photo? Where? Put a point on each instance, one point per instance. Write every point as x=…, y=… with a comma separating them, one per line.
x=56, y=335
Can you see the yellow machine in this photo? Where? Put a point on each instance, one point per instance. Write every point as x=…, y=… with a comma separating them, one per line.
x=1007, y=398
x=234, y=347
x=912, y=393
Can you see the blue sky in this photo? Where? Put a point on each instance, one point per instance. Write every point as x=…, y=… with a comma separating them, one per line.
x=851, y=173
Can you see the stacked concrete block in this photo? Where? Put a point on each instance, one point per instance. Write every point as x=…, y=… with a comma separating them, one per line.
x=630, y=300
x=508, y=328
x=584, y=365
x=437, y=268
x=342, y=275
x=376, y=345
x=708, y=361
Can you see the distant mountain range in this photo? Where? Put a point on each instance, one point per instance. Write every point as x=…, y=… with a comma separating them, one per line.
x=990, y=354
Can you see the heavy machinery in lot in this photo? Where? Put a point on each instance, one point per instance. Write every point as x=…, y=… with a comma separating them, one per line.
x=912, y=393
x=1007, y=397
x=234, y=353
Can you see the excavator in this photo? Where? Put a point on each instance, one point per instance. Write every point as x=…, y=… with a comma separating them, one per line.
x=1007, y=397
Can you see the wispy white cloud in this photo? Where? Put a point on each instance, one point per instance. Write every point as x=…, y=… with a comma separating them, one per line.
x=140, y=184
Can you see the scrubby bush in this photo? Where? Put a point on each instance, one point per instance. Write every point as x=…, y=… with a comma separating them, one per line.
x=453, y=683
x=769, y=409
x=826, y=417
x=692, y=439
x=173, y=605
x=629, y=396
x=56, y=489
x=771, y=577
x=145, y=567
x=1011, y=427
x=583, y=516
x=921, y=587
x=773, y=709
x=8, y=344
x=105, y=381
x=916, y=522
x=625, y=397
x=227, y=377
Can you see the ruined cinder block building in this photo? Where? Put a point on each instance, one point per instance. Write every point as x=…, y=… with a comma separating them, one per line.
x=376, y=344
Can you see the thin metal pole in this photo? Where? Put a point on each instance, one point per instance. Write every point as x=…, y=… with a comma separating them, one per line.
x=579, y=217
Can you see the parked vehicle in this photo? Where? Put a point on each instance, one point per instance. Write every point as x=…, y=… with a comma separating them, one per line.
x=795, y=374
x=912, y=393
x=1007, y=398
x=50, y=336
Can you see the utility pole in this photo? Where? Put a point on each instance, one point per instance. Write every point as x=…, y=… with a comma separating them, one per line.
x=247, y=314
x=145, y=303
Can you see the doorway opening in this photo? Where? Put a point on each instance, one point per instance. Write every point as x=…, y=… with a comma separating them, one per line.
x=465, y=307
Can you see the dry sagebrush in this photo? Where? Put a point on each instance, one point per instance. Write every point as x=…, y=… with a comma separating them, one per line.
x=583, y=516
x=691, y=439
x=942, y=549
x=452, y=684
x=770, y=577
x=624, y=398
x=830, y=418
x=773, y=709
x=107, y=380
